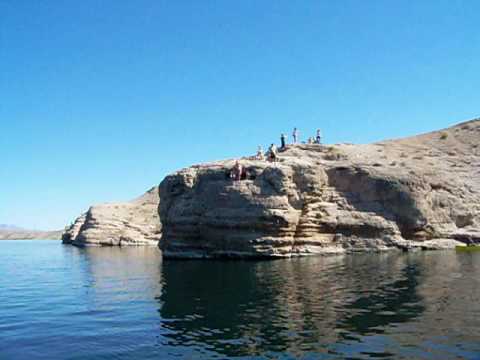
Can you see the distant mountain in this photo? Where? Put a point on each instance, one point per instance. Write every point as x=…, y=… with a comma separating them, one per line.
x=12, y=232
x=9, y=227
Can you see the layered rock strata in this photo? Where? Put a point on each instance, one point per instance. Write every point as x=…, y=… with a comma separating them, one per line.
x=118, y=224
x=418, y=192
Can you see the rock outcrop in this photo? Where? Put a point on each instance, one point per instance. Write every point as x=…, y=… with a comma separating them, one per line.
x=71, y=232
x=419, y=192
x=118, y=224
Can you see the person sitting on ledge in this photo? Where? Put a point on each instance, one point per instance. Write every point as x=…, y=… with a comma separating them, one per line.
x=260, y=155
x=237, y=171
x=272, y=153
x=310, y=140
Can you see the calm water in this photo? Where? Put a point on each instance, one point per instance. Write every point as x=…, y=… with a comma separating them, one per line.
x=60, y=302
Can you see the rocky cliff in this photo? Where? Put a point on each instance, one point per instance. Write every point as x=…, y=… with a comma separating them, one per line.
x=418, y=192
x=129, y=223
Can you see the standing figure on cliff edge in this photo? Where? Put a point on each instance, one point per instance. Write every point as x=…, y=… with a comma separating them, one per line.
x=295, y=135
x=272, y=153
x=318, y=138
x=283, y=141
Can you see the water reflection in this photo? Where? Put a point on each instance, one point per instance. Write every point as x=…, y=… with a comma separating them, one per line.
x=401, y=306
x=126, y=303
x=121, y=274
x=384, y=305
x=294, y=306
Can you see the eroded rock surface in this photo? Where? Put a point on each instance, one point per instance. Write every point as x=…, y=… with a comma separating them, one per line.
x=418, y=192
x=118, y=224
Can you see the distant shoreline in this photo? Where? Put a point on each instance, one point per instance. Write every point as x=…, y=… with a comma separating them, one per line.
x=30, y=235
x=2, y=239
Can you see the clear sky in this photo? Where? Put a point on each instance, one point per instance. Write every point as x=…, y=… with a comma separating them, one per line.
x=99, y=100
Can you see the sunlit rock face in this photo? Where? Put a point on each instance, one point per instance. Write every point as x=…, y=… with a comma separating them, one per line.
x=418, y=192
x=71, y=232
x=118, y=224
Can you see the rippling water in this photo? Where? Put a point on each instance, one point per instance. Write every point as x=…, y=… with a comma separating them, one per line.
x=60, y=302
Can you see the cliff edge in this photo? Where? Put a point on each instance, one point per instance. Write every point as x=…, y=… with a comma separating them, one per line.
x=417, y=192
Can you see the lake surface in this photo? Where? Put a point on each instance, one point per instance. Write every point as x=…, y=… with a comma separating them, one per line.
x=60, y=302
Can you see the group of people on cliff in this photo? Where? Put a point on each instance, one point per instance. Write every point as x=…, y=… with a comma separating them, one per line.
x=317, y=139
x=272, y=152
x=238, y=171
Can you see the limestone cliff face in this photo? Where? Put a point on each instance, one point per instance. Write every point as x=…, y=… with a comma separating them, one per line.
x=71, y=232
x=118, y=224
x=419, y=192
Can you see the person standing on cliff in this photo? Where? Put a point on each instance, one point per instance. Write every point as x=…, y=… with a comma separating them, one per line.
x=283, y=141
x=295, y=135
x=272, y=153
x=318, y=138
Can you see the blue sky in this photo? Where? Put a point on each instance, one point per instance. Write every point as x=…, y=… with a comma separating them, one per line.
x=99, y=100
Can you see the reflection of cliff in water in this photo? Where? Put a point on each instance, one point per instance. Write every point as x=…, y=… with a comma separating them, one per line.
x=387, y=304
x=449, y=283
x=298, y=305
x=121, y=274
